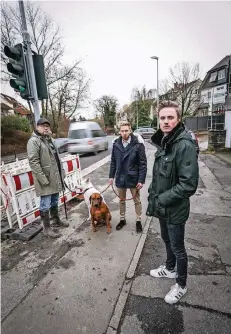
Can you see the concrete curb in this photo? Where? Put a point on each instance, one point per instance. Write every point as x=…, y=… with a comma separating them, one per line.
x=122, y=299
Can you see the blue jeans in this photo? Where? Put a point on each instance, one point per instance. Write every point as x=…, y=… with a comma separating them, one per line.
x=49, y=201
x=173, y=237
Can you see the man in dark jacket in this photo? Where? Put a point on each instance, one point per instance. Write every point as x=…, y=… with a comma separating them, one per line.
x=47, y=174
x=129, y=168
x=175, y=179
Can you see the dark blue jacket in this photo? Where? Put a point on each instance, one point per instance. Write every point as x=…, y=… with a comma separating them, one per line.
x=128, y=165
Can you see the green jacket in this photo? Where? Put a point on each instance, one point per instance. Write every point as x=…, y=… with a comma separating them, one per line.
x=175, y=176
x=44, y=166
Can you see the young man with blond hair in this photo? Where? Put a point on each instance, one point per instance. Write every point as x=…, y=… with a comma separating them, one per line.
x=129, y=168
x=175, y=179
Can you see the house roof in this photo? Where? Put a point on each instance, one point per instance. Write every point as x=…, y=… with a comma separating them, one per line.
x=225, y=62
x=16, y=106
x=177, y=87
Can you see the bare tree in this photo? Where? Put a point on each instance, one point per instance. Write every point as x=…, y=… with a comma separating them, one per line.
x=68, y=95
x=45, y=38
x=183, y=86
x=44, y=33
x=68, y=86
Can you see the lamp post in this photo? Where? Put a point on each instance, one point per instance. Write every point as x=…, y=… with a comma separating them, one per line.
x=157, y=86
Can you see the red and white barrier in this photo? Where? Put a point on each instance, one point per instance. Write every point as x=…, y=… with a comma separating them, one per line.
x=18, y=193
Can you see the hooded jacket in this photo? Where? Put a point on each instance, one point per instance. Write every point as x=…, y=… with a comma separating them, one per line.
x=175, y=176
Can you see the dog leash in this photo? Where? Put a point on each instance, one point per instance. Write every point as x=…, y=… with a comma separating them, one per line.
x=121, y=199
x=125, y=199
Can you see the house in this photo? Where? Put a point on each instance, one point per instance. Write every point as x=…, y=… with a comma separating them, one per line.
x=10, y=106
x=215, y=88
x=187, y=95
x=227, y=126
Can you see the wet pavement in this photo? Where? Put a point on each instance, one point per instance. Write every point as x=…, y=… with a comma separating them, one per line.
x=206, y=308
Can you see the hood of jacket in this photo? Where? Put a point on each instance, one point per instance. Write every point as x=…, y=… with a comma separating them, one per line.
x=178, y=133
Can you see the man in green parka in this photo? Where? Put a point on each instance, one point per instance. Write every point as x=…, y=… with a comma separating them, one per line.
x=47, y=174
x=174, y=180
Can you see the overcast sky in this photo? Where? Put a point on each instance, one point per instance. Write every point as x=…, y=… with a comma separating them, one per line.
x=117, y=39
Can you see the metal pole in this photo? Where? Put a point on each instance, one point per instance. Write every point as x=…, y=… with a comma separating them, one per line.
x=157, y=85
x=137, y=117
x=31, y=74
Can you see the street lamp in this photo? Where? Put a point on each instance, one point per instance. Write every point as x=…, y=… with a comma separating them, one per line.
x=157, y=87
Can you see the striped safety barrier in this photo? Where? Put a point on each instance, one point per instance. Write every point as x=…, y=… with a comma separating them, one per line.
x=18, y=193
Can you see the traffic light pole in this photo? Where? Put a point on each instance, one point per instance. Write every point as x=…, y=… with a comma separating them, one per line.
x=30, y=66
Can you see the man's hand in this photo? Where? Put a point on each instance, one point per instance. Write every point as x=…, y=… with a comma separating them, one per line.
x=139, y=186
x=110, y=181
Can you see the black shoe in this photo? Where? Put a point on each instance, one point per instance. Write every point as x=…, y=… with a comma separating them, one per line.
x=121, y=224
x=139, y=227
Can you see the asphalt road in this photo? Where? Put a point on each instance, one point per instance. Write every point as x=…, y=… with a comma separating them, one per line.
x=86, y=160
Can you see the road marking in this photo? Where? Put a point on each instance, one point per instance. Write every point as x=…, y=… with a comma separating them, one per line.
x=96, y=165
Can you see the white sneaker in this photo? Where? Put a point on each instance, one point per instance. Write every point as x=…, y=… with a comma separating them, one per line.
x=163, y=272
x=175, y=294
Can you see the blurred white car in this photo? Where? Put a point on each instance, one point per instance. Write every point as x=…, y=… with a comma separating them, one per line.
x=61, y=144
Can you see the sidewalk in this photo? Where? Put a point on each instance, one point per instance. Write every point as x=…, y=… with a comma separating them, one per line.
x=71, y=285
x=225, y=157
x=206, y=308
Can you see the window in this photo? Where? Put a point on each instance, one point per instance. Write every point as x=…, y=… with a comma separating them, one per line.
x=213, y=77
x=77, y=134
x=209, y=95
x=95, y=133
x=221, y=74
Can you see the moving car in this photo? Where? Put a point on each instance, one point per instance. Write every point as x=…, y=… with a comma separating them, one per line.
x=145, y=132
x=62, y=144
x=86, y=137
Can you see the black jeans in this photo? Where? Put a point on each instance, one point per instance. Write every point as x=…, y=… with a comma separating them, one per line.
x=173, y=237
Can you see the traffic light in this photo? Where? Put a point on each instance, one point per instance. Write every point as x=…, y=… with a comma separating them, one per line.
x=40, y=78
x=17, y=66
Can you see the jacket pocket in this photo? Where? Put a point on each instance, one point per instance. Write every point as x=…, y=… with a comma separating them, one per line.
x=46, y=171
x=155, y=209
x=132, y=176
x=166, y=166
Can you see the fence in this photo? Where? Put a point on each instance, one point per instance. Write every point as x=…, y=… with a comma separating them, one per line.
x=18, y=199
x=204, y=123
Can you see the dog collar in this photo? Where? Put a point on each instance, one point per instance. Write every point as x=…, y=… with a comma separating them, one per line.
x=87, y=189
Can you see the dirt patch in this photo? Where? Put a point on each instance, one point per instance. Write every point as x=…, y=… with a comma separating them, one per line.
x=199, y=266
x=66, y=263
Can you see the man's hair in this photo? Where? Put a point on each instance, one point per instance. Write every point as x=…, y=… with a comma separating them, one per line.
x=125, y=123
x=169, y=104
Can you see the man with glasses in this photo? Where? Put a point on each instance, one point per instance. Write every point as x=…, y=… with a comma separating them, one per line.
x=47, y=174
x=129, y=168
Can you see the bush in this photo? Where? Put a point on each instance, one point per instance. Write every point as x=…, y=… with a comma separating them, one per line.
x=14, y=122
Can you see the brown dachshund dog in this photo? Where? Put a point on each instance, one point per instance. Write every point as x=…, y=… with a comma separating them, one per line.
x=100, y=213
